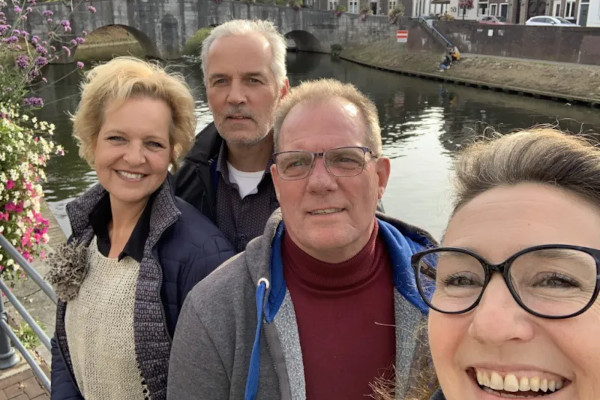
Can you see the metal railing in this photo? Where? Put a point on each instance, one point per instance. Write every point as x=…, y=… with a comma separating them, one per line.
x=434, y=32
x=8, y=358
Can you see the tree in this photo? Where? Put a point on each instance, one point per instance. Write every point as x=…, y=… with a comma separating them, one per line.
x=465, y=5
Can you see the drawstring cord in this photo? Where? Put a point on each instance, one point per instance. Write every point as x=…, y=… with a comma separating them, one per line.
x=254, y=368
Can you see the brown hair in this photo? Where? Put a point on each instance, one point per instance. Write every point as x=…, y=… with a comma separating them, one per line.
x=126, y=77
x=539, y=155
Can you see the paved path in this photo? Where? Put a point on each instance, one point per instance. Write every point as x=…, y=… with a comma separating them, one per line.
x=19, y=383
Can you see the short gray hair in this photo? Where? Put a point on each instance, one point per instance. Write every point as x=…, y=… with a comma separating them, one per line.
x=243, y=27
x=325, y=89
x=538, y=155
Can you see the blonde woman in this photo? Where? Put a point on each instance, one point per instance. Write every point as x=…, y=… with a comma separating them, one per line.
x=136, y=249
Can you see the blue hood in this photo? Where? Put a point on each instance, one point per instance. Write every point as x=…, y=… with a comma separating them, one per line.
x=401, y=243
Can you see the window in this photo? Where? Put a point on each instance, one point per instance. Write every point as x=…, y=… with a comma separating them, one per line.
x=332, y=5
x=556, y=9
x=570, y=9
x=483, y=6
x=493, y=8
x=504, y=10
x=353, y=6
x=391, y=5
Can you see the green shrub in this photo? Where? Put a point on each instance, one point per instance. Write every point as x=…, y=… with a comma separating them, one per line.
x=397, y=11
x=194, y=44
x=336, y=50
x=27, y=336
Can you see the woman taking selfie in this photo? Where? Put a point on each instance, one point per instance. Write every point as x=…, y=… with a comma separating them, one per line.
x=136, y=249
x=514, y=311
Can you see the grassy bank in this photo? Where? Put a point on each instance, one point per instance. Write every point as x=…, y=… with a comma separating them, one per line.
x=567, y=79
x=108, y=42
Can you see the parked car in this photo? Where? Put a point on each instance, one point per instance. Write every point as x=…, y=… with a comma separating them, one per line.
x=492, y=20
x=547, y=20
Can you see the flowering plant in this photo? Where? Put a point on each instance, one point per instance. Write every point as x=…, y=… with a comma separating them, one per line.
x=395, y=13
x=26, y=142
x=24, y=55
x=26, y=146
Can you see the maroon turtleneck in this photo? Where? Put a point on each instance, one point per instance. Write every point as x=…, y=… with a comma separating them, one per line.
x=345, y=315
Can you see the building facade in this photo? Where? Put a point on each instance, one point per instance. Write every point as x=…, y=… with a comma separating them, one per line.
x=581, y=12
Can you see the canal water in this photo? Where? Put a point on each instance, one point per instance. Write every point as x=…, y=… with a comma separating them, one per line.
x=424, y=123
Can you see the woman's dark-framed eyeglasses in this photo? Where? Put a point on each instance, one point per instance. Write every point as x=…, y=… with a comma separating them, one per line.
x=550, y=281
x=341, y=161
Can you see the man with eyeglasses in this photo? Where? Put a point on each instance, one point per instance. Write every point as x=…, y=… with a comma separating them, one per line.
x=324, y=303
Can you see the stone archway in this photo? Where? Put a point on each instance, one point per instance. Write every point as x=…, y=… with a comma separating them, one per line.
x=305, y=41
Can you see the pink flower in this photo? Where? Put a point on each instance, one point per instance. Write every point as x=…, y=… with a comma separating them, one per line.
x=92, y=9
x=10, y=184
x=25, y=240
x=79, y=65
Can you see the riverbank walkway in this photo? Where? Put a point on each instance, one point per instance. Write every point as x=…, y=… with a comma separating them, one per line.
x=410, y=70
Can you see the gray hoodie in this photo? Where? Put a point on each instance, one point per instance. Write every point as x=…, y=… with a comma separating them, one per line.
x=212, y=355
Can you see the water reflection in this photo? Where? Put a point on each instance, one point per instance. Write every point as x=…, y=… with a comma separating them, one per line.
x=423, y=124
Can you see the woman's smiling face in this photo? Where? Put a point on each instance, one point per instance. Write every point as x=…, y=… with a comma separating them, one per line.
x=499, y=343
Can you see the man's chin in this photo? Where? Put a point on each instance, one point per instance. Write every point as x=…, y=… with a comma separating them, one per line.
x=243, y=138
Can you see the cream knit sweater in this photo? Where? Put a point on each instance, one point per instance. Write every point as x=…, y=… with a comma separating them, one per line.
x=99, y=326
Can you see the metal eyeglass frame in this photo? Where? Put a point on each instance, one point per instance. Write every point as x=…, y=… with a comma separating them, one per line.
x=321, y=154
x=503, y=268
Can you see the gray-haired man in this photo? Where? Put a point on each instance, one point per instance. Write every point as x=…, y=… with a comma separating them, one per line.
x=226, y=175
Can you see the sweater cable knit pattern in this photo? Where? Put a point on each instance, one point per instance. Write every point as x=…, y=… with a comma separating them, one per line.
x=107, y=293
x=152, y=341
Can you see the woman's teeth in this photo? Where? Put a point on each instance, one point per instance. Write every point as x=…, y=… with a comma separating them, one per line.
x=510, y=382
x=130, y=175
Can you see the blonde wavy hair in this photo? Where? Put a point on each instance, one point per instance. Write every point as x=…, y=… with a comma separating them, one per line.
x=127, y=77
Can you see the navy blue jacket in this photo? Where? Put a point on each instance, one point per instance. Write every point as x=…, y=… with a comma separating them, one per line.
x=187, y=247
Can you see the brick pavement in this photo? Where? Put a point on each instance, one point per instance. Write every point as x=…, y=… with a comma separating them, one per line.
x=21, y=385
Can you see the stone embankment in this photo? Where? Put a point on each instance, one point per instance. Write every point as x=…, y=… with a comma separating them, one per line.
x=573, y=83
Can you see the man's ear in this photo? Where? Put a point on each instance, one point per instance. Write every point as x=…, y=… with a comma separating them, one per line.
x=275, y=179
x=383, y=173
x=285, y=89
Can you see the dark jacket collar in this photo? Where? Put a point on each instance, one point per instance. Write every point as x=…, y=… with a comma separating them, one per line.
x=206, y=145
x=100, y=218
x=80, y=209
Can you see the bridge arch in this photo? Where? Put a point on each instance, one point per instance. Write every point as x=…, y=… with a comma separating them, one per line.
x=305, y=41
x=148, y=46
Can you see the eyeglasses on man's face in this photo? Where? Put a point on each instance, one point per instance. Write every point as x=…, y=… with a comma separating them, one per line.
x=549, y=281
x=341, y=161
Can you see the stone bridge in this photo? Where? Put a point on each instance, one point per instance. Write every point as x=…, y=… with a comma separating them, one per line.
x=162, y=27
